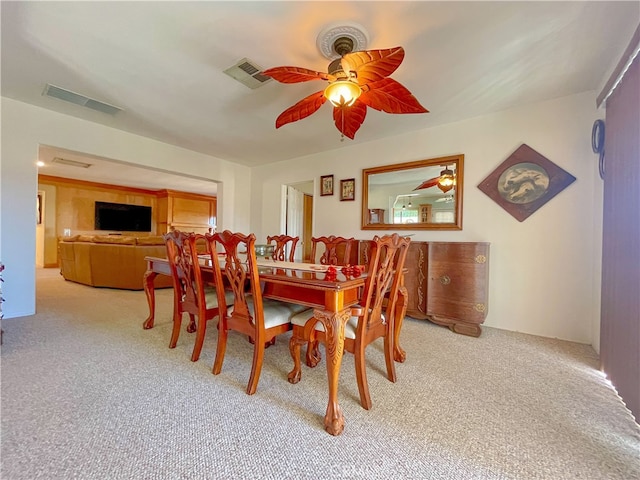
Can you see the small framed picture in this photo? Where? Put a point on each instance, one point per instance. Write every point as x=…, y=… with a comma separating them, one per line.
x=326, y=185
x=348, y=189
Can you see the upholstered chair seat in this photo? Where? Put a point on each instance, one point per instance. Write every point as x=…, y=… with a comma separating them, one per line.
x=350, y=327
x=211, y=297
x=275, y=312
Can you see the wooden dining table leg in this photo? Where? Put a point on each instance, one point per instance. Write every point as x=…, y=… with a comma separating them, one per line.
x=150, y=292
x=333, y=323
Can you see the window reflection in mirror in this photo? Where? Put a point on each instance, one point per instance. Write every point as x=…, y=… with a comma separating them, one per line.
x=422, y=195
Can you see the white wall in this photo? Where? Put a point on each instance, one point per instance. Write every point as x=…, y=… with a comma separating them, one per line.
x=24, y=127
x=545, y=271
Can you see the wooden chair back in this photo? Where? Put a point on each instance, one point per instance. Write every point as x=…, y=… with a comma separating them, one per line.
x=188, y=287
x=283, y=242
x=183, y=269
x=240, y=275
x=260, y=319
x=386, y=264
x=372, y=318
x=337, y=250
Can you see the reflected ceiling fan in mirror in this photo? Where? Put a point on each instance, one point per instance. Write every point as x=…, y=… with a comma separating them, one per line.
x=357, y=79
x=445, y=181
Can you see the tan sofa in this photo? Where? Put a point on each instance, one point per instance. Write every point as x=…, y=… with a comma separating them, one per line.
x=112, y=261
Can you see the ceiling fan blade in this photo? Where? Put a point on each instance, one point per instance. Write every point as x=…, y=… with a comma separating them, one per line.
x=296, y=75
x=390, y=96
x=373, y=65
x=302, y=109
x=432, y=182
x=349, y=119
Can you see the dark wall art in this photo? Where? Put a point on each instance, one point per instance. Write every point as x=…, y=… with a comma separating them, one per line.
x=326, y=185
x=524, y=182
x=348, y=189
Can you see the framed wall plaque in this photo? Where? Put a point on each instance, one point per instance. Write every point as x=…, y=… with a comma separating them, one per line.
x=524, y=182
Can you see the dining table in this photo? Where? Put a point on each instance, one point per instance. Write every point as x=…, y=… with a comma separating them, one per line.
x=330, y=293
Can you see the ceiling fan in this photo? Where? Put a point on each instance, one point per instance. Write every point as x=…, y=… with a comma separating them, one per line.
x=357, y=79
x=445, y=181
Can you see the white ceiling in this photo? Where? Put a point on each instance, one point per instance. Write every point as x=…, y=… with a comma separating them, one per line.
x=163, y=62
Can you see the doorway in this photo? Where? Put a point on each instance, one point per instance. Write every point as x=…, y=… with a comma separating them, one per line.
x=298, y=220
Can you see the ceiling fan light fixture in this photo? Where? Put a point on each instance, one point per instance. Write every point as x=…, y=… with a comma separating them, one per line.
x=352, y=75
x=446, y=180
x=342, y=93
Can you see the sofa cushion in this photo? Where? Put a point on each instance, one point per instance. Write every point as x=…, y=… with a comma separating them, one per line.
x=73, y=238
x=152, y=240
x=84, y=238
x=114, y=239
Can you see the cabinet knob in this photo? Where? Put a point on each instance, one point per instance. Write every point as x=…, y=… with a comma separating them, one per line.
x=445, y=280
x=480, y=258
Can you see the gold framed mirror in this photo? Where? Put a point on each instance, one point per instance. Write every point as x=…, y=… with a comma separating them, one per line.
x=421, y=195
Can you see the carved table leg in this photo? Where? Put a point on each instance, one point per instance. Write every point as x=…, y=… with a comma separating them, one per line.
x=334, y=323
x=399, y=355
x=149, y=290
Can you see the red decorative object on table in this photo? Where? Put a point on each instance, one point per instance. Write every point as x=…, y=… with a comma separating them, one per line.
x=331, y=274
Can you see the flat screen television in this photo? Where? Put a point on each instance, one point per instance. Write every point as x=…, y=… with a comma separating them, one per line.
x=122, y=217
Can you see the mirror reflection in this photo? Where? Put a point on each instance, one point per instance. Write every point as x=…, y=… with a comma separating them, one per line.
x=422, y=195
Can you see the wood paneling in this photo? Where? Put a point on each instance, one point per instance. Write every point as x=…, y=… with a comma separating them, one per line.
x=75, y=203
x=75, y=208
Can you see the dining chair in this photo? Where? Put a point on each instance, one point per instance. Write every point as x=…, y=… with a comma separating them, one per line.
x=191, y=294
x=282, y=243
x=248, y=313
x=337, y=250
x=371, y=319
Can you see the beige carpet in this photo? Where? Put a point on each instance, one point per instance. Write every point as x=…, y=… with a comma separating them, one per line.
x=88, y=394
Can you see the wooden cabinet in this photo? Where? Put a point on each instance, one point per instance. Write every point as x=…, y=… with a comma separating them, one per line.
x=447, y=283
x=457, y=281
x=186, y=211
x=376, y=215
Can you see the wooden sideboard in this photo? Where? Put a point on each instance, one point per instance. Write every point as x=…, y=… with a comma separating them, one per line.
x=447, y=282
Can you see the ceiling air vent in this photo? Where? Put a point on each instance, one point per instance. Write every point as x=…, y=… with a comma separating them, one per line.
x=71, y=163
x=247, y=73
x=78, y=99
